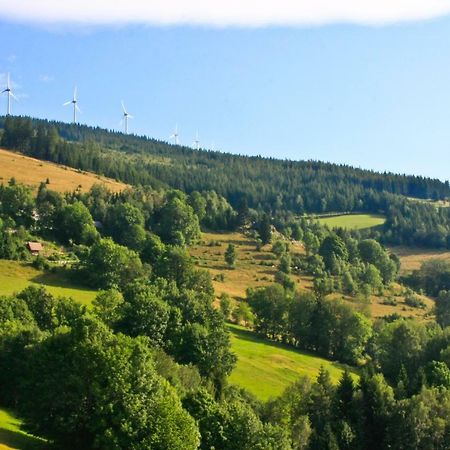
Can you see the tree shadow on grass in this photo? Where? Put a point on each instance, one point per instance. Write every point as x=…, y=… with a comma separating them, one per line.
x=251, y=336
x=58, y=280
x=20, y=441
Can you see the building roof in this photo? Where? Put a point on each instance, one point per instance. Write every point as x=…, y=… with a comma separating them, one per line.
x=35, y=246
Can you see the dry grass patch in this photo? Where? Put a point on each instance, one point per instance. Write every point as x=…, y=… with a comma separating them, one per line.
x=32, y=172
x=412, y=258
x=253, y=268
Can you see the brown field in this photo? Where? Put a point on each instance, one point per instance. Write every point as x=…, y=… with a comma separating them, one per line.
x=253, y=268
x=257, y=268
x=32, y=172
x=412, y=258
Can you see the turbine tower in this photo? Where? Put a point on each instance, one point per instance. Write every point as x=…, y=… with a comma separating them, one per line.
x=126, y=116
x=10, y=94
x=175, y=135
x=74, y=102
x=197, y=142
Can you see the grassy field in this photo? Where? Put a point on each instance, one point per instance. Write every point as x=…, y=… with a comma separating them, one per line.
x=412, y=258
x=15, y=276
x=253, y=268
x=32, y=172
x=13, y=438
x=353, y=221
x=266, y=368
x=257, y=268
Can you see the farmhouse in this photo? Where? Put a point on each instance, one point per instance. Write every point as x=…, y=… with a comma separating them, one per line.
x=35, y=248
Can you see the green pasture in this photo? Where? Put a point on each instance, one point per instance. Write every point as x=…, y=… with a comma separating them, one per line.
x=12, y=437
x=15, y=276
x=266, y=368
x=353, y=221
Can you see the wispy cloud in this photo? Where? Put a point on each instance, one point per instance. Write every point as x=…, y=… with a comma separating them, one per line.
x=45, y=78
x=15, y=87
x=220, y=13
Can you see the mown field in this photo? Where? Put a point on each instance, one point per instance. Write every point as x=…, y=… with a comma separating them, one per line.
x=15, y=276
x=32, y=172
x=266, y=368
x=353, y=221
x=12, y=437
x=412, y=258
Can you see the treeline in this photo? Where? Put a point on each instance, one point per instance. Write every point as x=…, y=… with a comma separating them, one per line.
x=296, y=186
x=328, y=327
x=285, y=188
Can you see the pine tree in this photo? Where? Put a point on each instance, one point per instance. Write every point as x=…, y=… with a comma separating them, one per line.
x=230, y=255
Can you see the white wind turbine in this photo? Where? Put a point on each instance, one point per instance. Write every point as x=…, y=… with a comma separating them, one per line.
x=74, y=102
x=197, y=142
x=175, y=135
x=126, y=116
x=10, y=94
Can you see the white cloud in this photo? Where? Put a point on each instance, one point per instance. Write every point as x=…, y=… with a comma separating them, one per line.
x=221, y=12
x=45, y=78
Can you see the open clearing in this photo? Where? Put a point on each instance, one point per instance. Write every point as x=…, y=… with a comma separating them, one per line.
x=253, y=268
x=32, y=172
x=13, y=438
x=412, y=258
x=15, y=276
x=257, y=268
x=353, y=221
x=266, y=368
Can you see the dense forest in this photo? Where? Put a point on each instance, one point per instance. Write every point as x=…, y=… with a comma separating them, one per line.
x=146, y=366
x=286, y=189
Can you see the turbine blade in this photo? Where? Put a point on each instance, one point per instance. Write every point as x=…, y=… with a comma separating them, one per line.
x=75, y=93
x=130, y=116
x=13, y=96
x=123, y=107
x=77, y=108
x=67, y=103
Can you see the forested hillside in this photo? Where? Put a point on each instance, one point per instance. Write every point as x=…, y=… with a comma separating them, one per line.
x=286, y=189
x=149, y=360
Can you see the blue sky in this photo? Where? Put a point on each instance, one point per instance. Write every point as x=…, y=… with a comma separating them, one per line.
x=375, y=96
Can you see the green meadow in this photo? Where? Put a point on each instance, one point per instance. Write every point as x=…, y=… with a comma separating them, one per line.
x=266, y=368
x=15, y=276
x=12, y=437
x=353, y=221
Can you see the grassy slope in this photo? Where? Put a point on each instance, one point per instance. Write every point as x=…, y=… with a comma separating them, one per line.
x=15, y=276
x=32, y=172
x=12, y=437
x=266, y=368
x=253, y=268
x=251, y=271
x=353, y=221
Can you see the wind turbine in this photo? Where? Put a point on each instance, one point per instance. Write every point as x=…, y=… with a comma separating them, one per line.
x=126, y=116
x=175, y=135
x=10, y=94
x=74, y=102
x=197, y=142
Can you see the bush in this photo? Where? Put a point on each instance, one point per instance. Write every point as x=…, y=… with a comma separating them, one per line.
x=391, y=301
x=40, y=263
x=414, y=302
